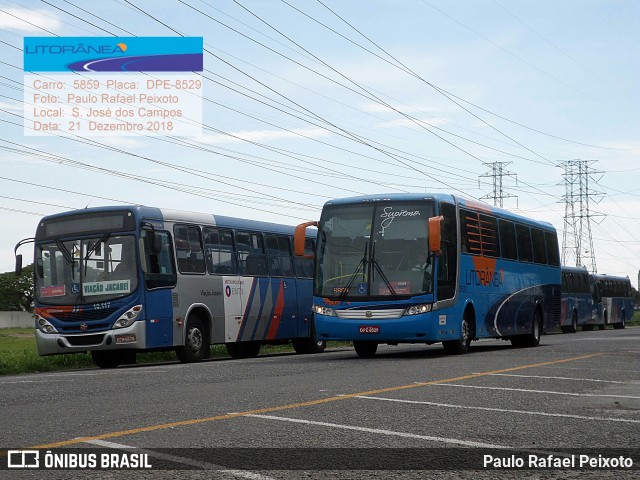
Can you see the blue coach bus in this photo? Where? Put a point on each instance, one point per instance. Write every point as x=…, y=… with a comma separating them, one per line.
x=612, y=301
x=412, y=268
x=577, y=302
x=119, y=280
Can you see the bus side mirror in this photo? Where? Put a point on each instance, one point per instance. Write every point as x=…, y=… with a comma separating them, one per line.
x=18, y=265
x=435, y=235
x=299, y=237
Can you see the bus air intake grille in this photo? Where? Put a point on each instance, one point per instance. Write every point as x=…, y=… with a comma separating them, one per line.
x=84, y=315
x=370, y=314
x=85, y=340
x=92, y=327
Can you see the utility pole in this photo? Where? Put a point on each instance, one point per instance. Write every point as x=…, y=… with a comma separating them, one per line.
x=577, y=242
x=496, y=174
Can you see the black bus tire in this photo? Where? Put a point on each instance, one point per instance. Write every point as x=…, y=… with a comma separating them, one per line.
x=365, y=349
x=196, y=342
x=107, y=359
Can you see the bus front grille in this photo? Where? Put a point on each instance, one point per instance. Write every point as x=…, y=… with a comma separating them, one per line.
x=84, y=315
x=85, y=340
x=370, y=314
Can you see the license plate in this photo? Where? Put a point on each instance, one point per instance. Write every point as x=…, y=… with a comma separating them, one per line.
x=369, y=329
x=125, y=338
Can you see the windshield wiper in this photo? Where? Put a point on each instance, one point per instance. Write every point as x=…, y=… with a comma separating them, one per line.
x=361, y=264
x=376, y=265
x=93, y=248
x=66, y=254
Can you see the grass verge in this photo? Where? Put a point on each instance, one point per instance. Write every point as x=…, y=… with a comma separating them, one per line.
x=18, y=354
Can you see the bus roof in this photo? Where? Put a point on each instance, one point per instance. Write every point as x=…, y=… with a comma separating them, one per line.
x=164, y=214
x=567, y=268
x=441, y=197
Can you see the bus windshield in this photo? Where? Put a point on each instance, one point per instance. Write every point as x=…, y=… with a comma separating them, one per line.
x=374, y=250
x=71, y=272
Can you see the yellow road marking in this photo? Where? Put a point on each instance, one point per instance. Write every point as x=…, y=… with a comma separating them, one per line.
x=290, y=406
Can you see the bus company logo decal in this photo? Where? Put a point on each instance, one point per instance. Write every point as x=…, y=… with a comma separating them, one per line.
x=388, y=215
x=233, y=287
x=484, y=273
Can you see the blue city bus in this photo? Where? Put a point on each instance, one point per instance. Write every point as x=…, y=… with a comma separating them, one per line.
x=427, y=268
x=114, y=281
x=612, y=301
x=577, y=302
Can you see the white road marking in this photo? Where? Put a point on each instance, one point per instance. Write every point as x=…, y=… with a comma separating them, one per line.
x=378, y=431
x=49, y=377
x=554, y=378
x=183, y=460
x=551, y=392
x=501, y=410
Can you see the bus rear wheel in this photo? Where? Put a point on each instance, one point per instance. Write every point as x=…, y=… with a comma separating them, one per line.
x=573, y=328
x=243, y=349
x=621, y=324
x=365, y=349
x=305, y=346
x=460, y=346
x=530, y=339
x=196, y=342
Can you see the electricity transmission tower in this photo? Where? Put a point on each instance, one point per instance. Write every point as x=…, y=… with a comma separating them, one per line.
x=577, y=242
x=496, y=174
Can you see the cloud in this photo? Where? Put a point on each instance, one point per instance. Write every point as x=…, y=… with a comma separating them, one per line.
x=264, y=135
x=406, y=122
x=12, y=107
x=28, y=21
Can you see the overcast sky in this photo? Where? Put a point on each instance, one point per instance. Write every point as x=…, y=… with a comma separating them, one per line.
x=305, y=101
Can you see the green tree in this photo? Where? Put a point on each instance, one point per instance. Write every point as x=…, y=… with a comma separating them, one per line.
x=16, y=292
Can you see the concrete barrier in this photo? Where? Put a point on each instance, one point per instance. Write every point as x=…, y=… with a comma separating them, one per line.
x=16, y=320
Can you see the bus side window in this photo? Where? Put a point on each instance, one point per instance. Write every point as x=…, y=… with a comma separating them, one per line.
x=525, y=251
x=279, y=255
x=508, y=240
x=159, y=269
x=539, y=249
x=220, y=254
x=447, y=266
x=251, y=253
x=189, y=249
x=304, y=266
x=553, y=252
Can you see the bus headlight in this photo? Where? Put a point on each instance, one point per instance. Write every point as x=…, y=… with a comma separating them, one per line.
x=417, y=309
x=320, y=310
x=128, y=317
x=44, y=325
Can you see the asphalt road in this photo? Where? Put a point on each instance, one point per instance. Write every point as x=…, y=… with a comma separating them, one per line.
x=335, y=415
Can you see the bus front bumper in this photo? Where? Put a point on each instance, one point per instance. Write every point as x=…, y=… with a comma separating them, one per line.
x=409, y=329
x=132, y=337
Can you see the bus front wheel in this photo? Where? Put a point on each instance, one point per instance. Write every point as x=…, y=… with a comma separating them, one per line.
x=108, y=359
x=196, y=342
x=365, y=349
x=460, y=346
